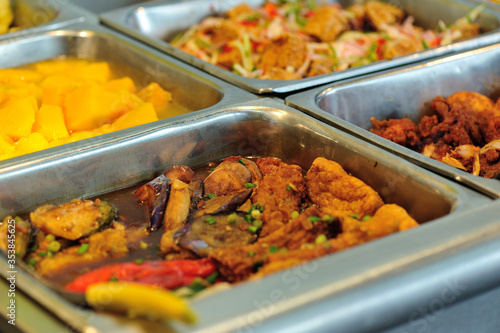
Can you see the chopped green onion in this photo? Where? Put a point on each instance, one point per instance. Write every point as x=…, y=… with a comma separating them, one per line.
x=50, y=237
x=105, y=199
x=288, y=187
x=211, y=195
x=273, y=248
x=212, y=277
x=255, y=213
x=320, y=239
x=249, y=185
x=42, y=254
x=33, y=248
x=257, y=223
x=232, y=218
x=210, y=220
x=83, y=248
x=242, y=162
x=251, y=253
x=366, y=218
x=253, y=229
x=424, y=44
x=31, y=262
x=354, y=216
x=54, y=246
x=139, y=261
x=114, y=278
x=314, y=218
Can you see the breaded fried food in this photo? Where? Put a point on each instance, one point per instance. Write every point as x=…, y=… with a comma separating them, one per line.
x=280, y=192
x=238, y=263
x=480, y=105
x=379, y=14
x=330, y=187
x=387, y=220
x=110, y=243
x=74, y=219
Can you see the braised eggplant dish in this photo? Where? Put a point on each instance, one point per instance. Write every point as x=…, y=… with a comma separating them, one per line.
x=287, y=40
x=463, y=131
x=188, y=230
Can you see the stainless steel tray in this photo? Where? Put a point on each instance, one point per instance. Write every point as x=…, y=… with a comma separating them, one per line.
x=34, y=16
x=156, y=22
x=190, y=87
x=266, y=127
x=407, y=92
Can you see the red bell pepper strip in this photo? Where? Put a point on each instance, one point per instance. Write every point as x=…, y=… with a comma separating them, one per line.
x=165, y=274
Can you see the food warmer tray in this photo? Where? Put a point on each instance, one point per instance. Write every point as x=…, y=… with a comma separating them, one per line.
x=407, y=92
x=190, y=87
x=155, y=22
x=36, y=16
x=382, y=279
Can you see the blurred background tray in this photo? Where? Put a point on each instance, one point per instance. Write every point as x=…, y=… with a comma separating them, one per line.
x=32, y=16
x=407, y=92
x=157, y=22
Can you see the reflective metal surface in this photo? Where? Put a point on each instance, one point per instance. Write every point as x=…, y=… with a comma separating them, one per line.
x=407, y=92
x=158, y=22
x=190, y=88
x=32, y=16
x=266, y=127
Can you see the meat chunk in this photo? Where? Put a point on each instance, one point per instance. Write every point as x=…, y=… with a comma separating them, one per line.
x=380, y=13
x=401, y=131
x=280, y=192
x=223, y=32
x=401, y=46
x=110, y=243
x=285, y=51
x=74, y=219
x=322, y=66
x=238, y=263
x=329, y=186
x=326, y=24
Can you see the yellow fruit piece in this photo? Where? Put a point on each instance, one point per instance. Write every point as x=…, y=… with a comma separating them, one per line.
x=156, y=95
x=137, y=300
x=77, y=136
x=6, y=145
x=142, y=115
x=16, y=76
x=56, y=87
x=31, y=143
x=17, y=117
x=84, y=70
x=49, y=121
x=124, y=83
x=88, y=107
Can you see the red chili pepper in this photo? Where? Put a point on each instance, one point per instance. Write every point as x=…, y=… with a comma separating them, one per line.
x=310, y=13
x=436, y=42
x=271, y=9
x=248, y=23
x=165, y=274
x=379, y=51
x=226, y=48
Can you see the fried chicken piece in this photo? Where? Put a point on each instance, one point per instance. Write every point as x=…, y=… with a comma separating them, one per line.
x=280, y=192
x=387, y=220
x=402, y=46
x=456, y=127
x=329, y=186
x=74, y=219
x=379, y=13
x=326, y=24
x=401, y=131
x=110, y=243
x=223, y=32
x=288, y=50
x=238, y=263
x=480, y=105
